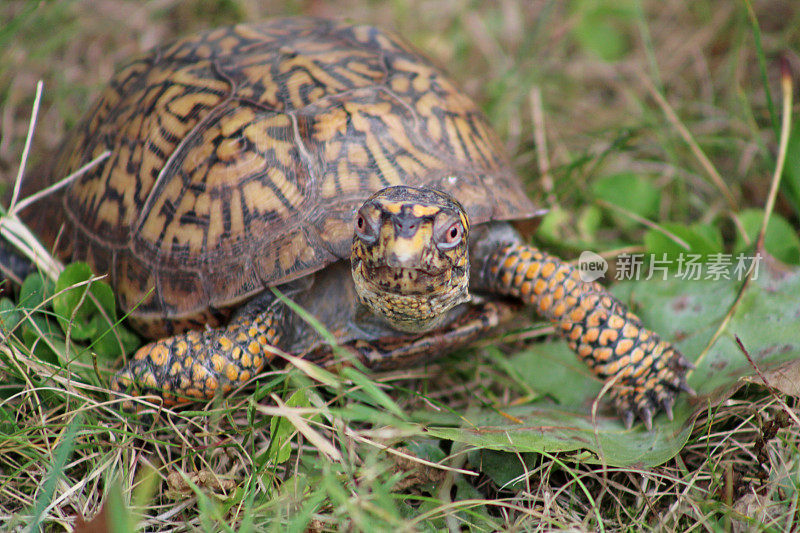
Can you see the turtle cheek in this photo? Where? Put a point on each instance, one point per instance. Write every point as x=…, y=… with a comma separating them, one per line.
x=455, y=259
x=367, y=252
x=460, y=271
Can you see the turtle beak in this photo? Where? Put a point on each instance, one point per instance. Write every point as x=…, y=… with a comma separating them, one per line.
x=412, y=236
x=404, y=255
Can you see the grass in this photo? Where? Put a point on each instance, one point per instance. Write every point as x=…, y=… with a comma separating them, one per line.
x=679, y=102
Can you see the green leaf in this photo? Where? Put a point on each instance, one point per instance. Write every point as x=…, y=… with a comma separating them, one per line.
x=701, y=239
x=10, y=316
x=603, y=27
x=70, y=296
x=35, y=291
x=563, y=421
x=549, y=229
x=282, y=430
x=780, y=240
x=589, y=221
x=112, y=341
x=74, y=304
x=631, y=192
x=765, y=320
x=44, y=338
x=87, y=310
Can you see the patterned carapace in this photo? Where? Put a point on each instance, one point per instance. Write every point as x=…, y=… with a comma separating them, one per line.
x=240, y=155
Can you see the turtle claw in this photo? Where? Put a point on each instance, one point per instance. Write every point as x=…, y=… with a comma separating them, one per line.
x=635, y=402
x=628, y=418
x=666, y=405
x=646, y=414
x=645, y=402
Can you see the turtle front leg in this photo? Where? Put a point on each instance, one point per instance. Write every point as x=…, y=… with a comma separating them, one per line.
x=609, y=338
x=198, y=364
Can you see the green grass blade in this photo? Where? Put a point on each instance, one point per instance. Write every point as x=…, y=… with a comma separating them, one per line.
x=61, y=454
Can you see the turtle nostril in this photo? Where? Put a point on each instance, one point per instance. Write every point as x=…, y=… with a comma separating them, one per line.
x=406, y=228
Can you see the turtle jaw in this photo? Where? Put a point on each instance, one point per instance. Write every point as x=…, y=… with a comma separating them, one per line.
x=409, y=257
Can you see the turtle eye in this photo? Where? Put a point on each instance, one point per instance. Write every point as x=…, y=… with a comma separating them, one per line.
x=364, y=230
x=451, y=236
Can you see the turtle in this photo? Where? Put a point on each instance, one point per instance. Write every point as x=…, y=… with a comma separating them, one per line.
x=328, y=165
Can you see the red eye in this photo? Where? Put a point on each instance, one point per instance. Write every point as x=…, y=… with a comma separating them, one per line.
x=451, y=237
x=453, y=233
x=363, y=230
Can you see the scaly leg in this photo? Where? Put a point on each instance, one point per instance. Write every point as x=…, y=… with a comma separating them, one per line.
x=609, y=338
x=197, y=364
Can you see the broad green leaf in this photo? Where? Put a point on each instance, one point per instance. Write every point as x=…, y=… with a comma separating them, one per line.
x=77, y=300
x=601, y=27
x=9, y=315
x=562, y=229
x=549, y=229
x=589, y=220
x=687, y=312
x=631, y=192
x=87, y=310
x=35, y=291
x=44, y=337
x=765, y=319
x=505, y=471
x=112, y=340
x=547, y=426
x=780, y=240
x=699, y=239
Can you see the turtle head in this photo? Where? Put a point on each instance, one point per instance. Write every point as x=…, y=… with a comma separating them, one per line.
x=410, y=259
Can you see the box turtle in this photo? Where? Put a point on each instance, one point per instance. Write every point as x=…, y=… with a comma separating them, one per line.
x=334, y=162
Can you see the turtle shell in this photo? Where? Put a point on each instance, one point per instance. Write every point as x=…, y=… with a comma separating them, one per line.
x=239, y=156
